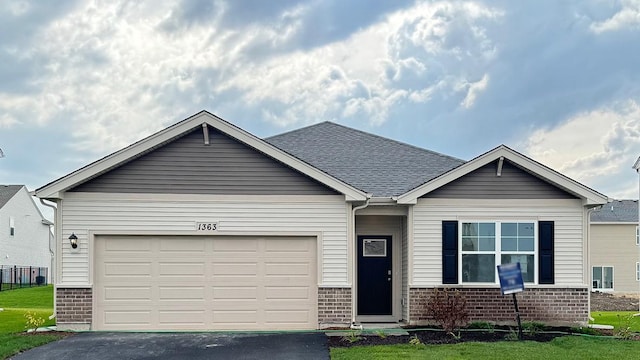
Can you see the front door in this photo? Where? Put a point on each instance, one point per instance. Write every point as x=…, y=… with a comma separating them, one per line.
x=374, y=275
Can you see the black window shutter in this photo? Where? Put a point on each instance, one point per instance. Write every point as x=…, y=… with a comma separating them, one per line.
x=545, y=252
x=449, y=252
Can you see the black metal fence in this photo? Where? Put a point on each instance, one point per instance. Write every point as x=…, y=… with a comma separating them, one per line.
x=15, y=277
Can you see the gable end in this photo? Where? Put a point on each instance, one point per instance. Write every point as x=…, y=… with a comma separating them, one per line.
x=514, y=183
x=187, y=166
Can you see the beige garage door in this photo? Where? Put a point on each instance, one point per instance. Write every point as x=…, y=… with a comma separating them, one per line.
x=204, y=283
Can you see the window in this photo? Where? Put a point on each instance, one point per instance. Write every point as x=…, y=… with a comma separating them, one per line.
x=12, y=226
x=485, y=245
x=603, y=277
x=637, y=235
x=638, y=271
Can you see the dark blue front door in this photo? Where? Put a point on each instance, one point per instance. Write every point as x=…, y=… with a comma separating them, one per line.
x=374, y=275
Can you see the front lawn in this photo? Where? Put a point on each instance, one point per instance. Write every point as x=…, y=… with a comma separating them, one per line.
x=617, y=319
x=567, y=347
x=16, y=303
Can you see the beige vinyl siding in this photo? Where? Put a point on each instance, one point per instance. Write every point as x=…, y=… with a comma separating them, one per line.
x=615, y=245
x=513, y=183
x=569, y=238
x=98, y=213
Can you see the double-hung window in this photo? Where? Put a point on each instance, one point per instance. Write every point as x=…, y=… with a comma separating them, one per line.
x=487, y=244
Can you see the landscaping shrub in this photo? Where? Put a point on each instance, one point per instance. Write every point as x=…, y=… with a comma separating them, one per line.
x=448, y=308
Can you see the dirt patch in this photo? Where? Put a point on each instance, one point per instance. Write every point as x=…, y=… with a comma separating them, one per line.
x=608, y=302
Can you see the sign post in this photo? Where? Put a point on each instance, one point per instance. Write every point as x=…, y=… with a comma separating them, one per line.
x=511, y=283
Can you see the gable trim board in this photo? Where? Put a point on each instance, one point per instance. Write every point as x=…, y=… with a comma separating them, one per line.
x=54, y=190
x=332, y=218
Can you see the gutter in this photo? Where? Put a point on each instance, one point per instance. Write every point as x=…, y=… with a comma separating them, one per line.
x=588, y=269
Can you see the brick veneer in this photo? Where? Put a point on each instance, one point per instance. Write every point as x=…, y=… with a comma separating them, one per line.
x=334, y=306
x=73, y=306
x=562, y=306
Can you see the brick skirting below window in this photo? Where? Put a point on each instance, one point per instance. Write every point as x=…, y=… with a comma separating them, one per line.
x=73, y=308
x=334, y=306
x=553, y=306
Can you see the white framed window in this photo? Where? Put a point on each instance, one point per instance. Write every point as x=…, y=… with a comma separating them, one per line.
x=12, y=226
x=637, y=235
x=638, y=271
x=602, y=277
x=486, y=244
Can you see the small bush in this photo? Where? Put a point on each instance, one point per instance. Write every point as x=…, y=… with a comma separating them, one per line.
x=623, y=330
x=533, y=327
x=415, y=341
x=352, y=337
x=33, y=321
x=512, y=335
x=449, y=309
x=482, y=325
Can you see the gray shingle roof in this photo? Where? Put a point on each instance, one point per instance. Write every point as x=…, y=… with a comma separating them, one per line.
x=371, y=163
x=617, y=211
x=7, y=192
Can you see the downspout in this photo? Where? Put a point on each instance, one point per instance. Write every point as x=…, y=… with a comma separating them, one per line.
x=355, y=261
x=53, y=260
x=588, y=269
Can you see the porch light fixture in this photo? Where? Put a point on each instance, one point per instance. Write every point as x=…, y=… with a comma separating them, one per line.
x=73, y=239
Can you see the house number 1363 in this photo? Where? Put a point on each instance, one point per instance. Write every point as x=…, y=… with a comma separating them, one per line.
x=206, y=226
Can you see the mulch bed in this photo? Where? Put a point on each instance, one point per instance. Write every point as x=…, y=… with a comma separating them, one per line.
x=436, y=337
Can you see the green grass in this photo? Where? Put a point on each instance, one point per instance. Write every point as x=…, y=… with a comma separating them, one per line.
x=568, y=347
x=617, y=319
x=16, y=303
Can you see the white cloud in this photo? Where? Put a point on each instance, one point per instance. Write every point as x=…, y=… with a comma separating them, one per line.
x=596, y=148
x=474, y=89
x=627, y=17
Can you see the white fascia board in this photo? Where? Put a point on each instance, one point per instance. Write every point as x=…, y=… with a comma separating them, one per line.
x=56, y=189
x=590, y=197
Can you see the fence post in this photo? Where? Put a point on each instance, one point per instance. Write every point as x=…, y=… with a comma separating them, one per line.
x=30, y=276
x=1, y=277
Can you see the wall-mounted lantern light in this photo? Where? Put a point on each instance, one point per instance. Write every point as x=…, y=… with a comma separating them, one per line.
x=73, y=239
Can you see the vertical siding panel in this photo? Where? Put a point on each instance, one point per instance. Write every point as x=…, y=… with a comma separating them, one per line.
x=429, y=214
x=326, y=215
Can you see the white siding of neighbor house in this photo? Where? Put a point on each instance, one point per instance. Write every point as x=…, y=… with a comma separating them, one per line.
x=29, y=246
x=567, y=214
x=100, y=213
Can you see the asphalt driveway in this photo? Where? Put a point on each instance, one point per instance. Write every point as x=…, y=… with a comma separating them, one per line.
x=108, y=346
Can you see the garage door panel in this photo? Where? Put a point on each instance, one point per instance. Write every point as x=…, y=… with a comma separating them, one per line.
x=229, y=268
x=235, y=292
x=182, y=293
x=287, y=292
x=131, y=293
x=205, y=283
x=189, y=269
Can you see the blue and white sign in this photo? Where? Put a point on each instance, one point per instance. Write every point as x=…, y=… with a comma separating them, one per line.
x=510, y=278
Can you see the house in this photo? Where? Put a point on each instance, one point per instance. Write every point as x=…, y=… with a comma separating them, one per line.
x=25, y=234
x=615, y=250
x=204, y=226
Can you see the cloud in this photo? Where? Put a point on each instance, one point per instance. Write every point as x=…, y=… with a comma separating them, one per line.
x=474, y=89
x=594, y=147
x=628, y=17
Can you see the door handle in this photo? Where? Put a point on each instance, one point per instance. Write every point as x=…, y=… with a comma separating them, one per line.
x=389, y=279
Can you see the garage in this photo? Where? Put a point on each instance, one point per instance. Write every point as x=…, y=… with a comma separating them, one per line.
x=204, y=283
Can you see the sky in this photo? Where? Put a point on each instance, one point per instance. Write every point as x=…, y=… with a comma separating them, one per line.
x=558, y=81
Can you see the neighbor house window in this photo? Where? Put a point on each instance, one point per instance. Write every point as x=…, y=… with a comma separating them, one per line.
x=638, y=271
x=603, y=277
x=12, y=226
x=488, y=244
x=637, y=235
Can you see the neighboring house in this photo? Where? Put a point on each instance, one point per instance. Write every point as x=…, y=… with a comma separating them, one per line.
x=203, y=226
x=615, y=250
x=25, y=234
